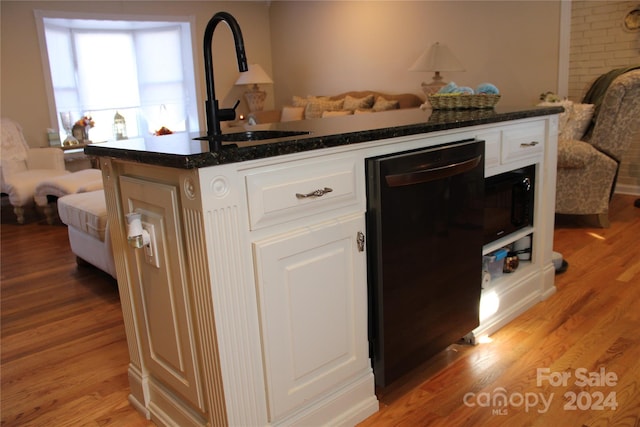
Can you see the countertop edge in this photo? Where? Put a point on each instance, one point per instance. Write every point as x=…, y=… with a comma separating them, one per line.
x=438, y=120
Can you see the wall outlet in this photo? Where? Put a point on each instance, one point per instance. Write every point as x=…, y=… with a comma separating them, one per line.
x=151, y=250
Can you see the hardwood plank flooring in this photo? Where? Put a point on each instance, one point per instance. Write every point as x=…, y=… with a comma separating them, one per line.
x=64, y=354
x=592, y=322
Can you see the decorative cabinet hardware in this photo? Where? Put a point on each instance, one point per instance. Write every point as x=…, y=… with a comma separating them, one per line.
x=360, y=240
x=529, y=144
x=317, y=193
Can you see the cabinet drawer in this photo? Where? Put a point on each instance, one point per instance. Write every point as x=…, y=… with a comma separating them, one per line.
x=524, y=141
x=286, y=193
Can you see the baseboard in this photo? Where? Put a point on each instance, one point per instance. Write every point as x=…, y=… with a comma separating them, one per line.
x=168, y=409
x=138, y=391
x=346, y=406
x=633, y=190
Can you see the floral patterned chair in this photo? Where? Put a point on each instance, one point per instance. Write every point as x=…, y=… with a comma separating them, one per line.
x=588, y=166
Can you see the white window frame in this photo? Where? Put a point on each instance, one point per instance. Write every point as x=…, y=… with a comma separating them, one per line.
x=40, y=15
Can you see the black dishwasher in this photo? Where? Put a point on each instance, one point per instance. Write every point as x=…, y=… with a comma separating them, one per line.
x=425, y=213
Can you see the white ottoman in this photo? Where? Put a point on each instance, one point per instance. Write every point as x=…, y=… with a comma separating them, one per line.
x=85, y=215
x=49, y=190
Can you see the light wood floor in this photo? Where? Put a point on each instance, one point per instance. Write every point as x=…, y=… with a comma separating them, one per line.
x=64, y=355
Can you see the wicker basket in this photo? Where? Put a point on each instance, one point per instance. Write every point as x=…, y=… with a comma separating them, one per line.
x=450, y=102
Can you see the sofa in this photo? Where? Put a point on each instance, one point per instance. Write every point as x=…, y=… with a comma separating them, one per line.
x=348, y=103
x=594, y=136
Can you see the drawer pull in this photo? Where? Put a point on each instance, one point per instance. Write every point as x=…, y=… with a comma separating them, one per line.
x=529, y=144
x=360, y=240
x=317, y=193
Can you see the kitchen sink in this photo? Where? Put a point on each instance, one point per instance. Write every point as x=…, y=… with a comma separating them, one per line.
x=256, y=135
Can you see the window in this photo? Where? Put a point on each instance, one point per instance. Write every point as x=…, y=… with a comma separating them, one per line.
x=142, y=70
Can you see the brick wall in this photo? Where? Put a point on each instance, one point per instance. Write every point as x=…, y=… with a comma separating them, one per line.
x=599, y=43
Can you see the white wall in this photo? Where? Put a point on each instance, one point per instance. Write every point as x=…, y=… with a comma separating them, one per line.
x=328, y=47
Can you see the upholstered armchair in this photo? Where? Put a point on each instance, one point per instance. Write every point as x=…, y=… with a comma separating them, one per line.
x=23, y=168
x=588, y=168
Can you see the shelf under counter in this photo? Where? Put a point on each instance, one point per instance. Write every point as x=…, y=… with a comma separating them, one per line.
x=507, y=240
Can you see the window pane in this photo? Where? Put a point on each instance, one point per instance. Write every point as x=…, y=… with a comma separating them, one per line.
x=106, y=70
x=160, y=56
x=161, y=77
x=143, y=70
x=60, y=57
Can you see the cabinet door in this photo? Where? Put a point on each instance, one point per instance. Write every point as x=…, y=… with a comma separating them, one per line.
x=313, y=305
x=161, y=290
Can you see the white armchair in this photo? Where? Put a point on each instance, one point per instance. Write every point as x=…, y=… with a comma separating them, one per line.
x=22, y=168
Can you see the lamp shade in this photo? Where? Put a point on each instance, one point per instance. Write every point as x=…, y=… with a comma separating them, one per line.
x=253, y=76
x=437, y=58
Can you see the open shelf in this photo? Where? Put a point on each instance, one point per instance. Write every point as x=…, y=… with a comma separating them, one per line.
x=506, y=240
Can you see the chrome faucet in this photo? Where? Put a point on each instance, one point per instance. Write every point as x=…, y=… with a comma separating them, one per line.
x=214, y=114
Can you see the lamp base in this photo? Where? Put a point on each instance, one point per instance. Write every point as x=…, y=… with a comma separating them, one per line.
x=432, y=87
x=255, y=99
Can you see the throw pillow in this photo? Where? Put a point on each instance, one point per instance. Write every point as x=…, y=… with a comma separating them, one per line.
x=352, y=103
x=578, y=122
x=299, y=101
x=563, y=118
x=290, y=113
x=385, y=104
x=363, y=111
x=336, y=113
x=315, y=107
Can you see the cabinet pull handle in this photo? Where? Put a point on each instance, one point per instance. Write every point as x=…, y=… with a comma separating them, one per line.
x=317, y=193
x=529, y=144
x=360, y=240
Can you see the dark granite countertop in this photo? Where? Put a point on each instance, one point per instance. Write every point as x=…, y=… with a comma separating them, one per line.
x=182, y=151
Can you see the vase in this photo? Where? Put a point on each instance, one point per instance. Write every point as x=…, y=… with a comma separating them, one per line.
x=65, y=117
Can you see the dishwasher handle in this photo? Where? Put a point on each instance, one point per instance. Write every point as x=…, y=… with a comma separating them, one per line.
x=432, y=174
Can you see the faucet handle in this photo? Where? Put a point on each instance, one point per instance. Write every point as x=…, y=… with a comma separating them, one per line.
x=227, y=114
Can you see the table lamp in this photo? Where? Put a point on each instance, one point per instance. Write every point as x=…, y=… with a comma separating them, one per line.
x=254, y=76
x=436, y=58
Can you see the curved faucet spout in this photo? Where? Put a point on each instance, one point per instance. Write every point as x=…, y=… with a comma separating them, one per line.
x=214, y=114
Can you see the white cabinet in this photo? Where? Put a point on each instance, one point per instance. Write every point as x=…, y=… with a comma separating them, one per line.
x=508, y=148
x=523, y=142
x=161, y=292
x=255, y=310
x=307, y=231
x=290, y=191
x=313, y=301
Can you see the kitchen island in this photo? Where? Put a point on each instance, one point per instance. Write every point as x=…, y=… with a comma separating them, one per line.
x=249, y=304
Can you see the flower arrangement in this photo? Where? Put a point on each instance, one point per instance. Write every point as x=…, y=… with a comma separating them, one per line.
x=86, y=121
x=163, y=131
x=550, y=97
x=81, y=128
